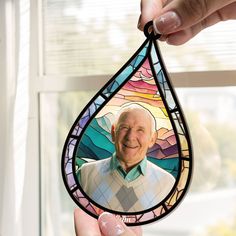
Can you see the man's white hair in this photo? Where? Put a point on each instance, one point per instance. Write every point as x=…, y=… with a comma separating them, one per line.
x=134, y=106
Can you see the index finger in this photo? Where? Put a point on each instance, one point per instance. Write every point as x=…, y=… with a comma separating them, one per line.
x=85, y=225
x=149, y=10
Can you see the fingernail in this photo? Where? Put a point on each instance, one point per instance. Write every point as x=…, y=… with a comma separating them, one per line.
x=110, y=225
x=166, y=23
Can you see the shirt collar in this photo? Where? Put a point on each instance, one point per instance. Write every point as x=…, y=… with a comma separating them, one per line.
x=115, y=164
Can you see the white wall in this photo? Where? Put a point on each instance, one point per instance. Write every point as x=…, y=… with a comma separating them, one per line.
x=2, y=98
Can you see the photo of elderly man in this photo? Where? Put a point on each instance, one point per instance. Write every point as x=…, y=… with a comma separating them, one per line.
x=127, y=181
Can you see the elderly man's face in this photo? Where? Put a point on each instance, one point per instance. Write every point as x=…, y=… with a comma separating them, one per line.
x=133, y=136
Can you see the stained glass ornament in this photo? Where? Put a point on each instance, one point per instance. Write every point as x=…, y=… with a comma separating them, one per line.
x=143, y=80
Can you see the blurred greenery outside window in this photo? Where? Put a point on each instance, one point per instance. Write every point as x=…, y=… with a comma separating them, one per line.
x=88, y=39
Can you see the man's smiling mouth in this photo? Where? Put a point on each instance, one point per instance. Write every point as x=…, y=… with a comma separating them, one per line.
x=128, y=146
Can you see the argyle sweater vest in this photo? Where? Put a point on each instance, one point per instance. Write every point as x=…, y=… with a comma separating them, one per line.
x=109, y=189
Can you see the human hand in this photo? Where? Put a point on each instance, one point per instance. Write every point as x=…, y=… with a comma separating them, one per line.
x=106, y=225
x=180, y=20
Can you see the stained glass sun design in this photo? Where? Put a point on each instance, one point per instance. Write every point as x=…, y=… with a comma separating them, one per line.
x=143, y=81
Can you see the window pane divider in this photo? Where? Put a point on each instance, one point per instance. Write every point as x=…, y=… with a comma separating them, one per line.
x=95, y=82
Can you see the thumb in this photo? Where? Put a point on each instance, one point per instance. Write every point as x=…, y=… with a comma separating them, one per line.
x=110, y=225
x=181, y=14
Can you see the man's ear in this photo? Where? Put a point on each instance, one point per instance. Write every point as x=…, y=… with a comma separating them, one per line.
x=153, y=139
x=113, y=133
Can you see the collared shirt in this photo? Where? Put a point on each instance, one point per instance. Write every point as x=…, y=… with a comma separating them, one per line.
x=133, y=174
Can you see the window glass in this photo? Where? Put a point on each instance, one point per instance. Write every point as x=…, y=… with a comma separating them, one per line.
x=208, y=209
x=87, y=37
x=57, y=114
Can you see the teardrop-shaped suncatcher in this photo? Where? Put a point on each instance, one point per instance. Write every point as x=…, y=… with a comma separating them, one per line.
x=142, y=81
